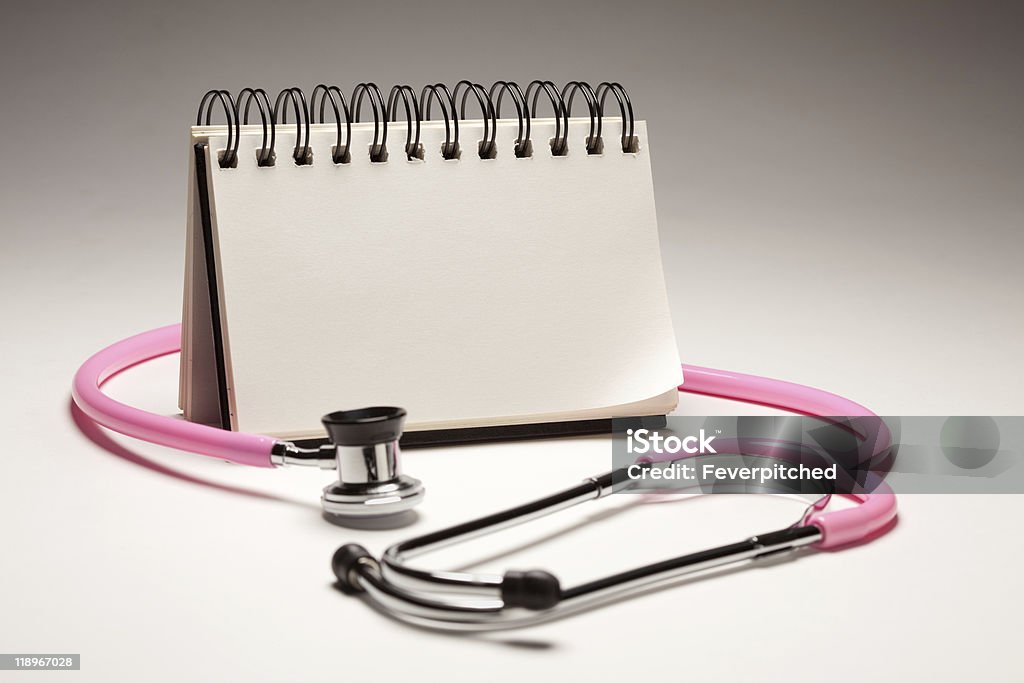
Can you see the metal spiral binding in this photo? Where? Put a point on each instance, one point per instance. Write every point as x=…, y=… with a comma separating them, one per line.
x=523, y=147
x=302, y=155
x=452, y=104
x=379, y=149
x=440, y=92
x=230, y=156
x=559, y=143
x=266, y=156
x=487, y=146
x=340, y=154
x=572, y=87
x=625, y=108
x=413, y=149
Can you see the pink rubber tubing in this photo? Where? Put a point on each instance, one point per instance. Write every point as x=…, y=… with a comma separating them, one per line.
x=245, y=449
x=874, y=511
x=872, y=514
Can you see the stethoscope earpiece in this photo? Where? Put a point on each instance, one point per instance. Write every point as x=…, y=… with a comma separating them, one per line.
x=344, y=563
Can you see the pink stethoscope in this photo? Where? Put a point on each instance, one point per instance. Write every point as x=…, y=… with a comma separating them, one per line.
x=364, y=450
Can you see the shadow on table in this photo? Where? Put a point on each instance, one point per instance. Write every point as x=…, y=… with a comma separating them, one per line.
x=96, y=434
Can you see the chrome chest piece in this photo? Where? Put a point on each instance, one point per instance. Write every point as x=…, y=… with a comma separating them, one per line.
x=364, y=450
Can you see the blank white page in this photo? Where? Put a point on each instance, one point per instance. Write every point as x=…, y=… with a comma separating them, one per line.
x=470, y=291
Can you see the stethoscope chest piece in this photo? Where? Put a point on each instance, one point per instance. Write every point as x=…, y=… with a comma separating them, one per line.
x=370, y=482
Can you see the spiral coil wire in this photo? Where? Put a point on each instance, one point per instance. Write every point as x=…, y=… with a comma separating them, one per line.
x=452, y=103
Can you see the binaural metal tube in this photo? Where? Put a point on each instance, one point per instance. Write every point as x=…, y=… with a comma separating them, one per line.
x=472, y=614
x=394, y=570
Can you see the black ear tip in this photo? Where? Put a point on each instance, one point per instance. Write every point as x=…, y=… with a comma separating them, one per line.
x=535, y=589
x=344, y=562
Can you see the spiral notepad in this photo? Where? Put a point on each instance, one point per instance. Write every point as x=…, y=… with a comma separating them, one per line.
x=495, y=272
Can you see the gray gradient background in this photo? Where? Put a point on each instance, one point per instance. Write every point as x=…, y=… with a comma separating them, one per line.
x=840, y=198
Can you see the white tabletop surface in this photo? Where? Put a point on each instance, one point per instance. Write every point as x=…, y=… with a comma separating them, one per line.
x=144, y=559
